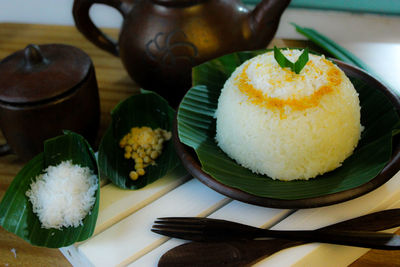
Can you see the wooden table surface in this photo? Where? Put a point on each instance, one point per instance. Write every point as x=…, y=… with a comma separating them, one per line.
x=114, y=85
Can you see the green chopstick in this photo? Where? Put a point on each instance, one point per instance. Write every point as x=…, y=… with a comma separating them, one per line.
x=338, y=52
x=333, y=48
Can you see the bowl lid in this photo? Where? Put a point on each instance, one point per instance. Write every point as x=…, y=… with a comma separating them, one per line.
x=40, y=73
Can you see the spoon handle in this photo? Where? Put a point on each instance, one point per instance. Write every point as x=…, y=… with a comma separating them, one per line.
x=377, y=221
x=365, y=239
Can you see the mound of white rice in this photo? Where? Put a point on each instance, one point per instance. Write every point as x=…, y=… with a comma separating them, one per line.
x=63, y=195
x=287, y=125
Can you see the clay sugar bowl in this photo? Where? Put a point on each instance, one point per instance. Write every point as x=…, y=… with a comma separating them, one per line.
x=46, y=89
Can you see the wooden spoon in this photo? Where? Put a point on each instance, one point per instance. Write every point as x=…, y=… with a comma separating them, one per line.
x=247, y=252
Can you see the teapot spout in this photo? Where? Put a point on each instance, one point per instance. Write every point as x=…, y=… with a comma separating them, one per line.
x=264, y=20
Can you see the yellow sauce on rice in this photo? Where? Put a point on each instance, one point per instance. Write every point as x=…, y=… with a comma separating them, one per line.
x=286, y=125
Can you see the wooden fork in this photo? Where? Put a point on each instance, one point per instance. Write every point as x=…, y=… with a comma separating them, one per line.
x=206, y=229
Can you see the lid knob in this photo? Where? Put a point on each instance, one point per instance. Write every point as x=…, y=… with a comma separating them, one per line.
x=33, y=57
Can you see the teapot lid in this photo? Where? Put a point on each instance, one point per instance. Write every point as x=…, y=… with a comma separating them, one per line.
x=40, y=73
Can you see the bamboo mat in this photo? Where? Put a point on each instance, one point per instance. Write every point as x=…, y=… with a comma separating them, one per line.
x=114, y=85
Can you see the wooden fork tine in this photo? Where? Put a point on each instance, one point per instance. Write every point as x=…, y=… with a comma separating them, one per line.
x=174, y=230
x=206, y=224
x=181, y=219
x=188, y=235
x=177, y=226
x=199, y=220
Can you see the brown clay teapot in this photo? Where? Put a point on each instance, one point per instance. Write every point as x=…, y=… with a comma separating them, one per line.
x=161, y=40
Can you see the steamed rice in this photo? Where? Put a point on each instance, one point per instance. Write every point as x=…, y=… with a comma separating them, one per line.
x=285, y=125
x=63, y=195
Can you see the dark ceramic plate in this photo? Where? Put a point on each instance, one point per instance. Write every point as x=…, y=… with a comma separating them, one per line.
x=191, y=162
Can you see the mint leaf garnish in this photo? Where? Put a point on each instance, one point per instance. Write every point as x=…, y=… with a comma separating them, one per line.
x=284, y=62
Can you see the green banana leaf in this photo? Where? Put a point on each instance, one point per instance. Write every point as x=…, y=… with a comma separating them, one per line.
x=16, y=213
x=146, y=109
x=196, y=129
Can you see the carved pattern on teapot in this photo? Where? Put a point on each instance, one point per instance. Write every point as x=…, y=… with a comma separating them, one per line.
x=162, y=48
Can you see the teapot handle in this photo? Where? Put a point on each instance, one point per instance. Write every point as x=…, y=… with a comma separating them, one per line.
x=86, y=26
